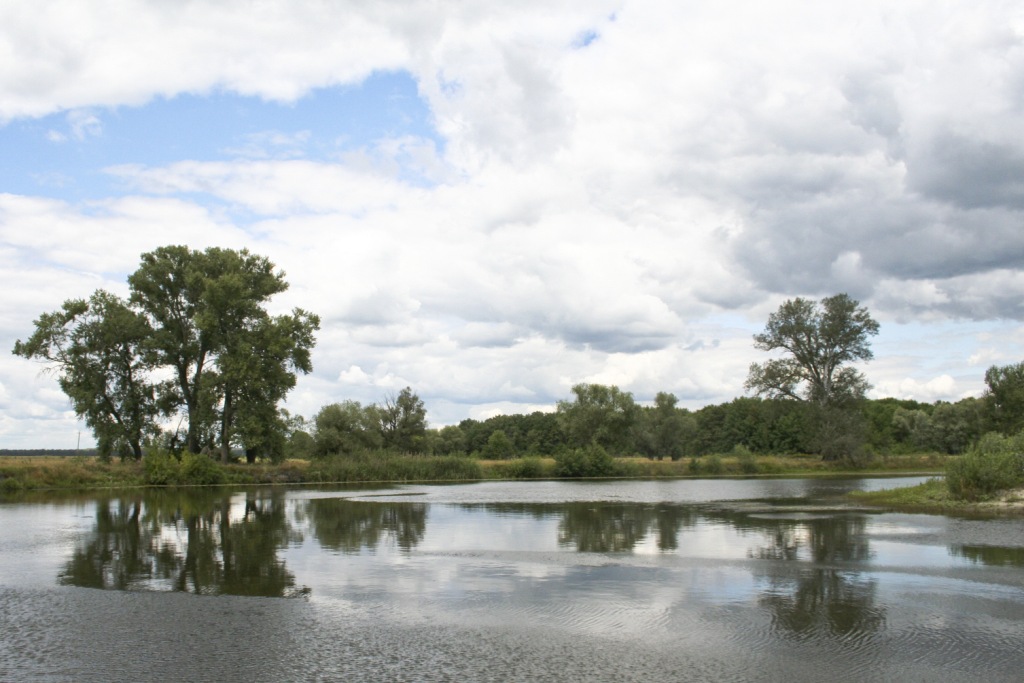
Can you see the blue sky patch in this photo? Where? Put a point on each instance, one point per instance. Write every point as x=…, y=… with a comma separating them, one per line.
x=64, y=155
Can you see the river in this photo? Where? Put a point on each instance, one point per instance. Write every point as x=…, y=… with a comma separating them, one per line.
x=668, y=580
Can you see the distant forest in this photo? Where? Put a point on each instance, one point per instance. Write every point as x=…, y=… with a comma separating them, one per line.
x=53, y=452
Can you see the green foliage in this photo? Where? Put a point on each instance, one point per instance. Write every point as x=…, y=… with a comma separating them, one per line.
x=163, y=468
x=403, y=422
x=592, y=461
x=1005, y=397
x=499, y=446
x=526, y=468
x=198, y=318
x=713, y=464
x=746, y=459
x=451, y=440
x=994, y=464
x=664, y=430
x=347, y=427
x=100, y=350
x=198, y=469
x=381, y=466
x=599, y=415
x=819, y=340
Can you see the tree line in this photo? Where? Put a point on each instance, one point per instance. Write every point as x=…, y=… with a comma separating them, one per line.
x=612, y=419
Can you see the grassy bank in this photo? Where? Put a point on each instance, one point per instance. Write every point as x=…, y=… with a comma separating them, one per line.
x=84, y=473
x=934, y=497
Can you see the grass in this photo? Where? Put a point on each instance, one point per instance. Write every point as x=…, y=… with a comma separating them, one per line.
x=23, y=473
x=934, y=497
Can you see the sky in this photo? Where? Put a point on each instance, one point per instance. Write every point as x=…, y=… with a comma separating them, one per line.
x=490, y=202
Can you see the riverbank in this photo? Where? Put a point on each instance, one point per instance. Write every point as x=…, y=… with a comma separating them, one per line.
x=933, y=497
x=25, y=473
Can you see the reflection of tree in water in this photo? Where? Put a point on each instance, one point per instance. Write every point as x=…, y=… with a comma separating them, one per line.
x=992, y=555
x=808, y=593
x=604, y=528
x=174, y=541
x=350, y=526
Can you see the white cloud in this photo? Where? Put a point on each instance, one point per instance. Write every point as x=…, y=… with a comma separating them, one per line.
x=590, y=207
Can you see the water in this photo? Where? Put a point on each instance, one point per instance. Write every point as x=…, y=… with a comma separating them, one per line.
x=745, y=580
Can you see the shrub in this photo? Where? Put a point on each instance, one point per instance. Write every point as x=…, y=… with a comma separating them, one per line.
x=745, y=458
x=526, y=468
x=161, y=467
x=375, y=466
x=592, y=461
x=714, y=465
x=200, y=470
x=995, y=463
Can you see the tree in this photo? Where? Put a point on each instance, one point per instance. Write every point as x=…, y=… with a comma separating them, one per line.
x=599, y=414
x=403, y=422
x=99, y=349
x=819, y=341
x=345, y=428
x=256, y=371
x=499, y=446
x=664, y=430
x=1005, y=397
x=212, y=330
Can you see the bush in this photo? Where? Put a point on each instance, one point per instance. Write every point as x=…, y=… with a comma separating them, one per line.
x=714, y=464
x=200, y=470
x=526, y=468
x=377, y=466
x=592, y=461
x=994, y=464
x=746, y=459
x=161, y=468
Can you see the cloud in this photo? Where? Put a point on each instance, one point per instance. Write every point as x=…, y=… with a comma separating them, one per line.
x=612, y=191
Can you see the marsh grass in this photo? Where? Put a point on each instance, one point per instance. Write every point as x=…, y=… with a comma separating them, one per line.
x=386, y=467
x=24, y=473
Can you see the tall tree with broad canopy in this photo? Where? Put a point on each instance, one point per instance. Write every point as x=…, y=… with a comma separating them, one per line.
x=99, y=348
x=819, y=341
x=601, y=415
x=1004, y=397
x=212, y=330
x=403, y=422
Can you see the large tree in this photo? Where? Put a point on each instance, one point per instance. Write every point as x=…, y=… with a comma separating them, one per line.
x=213, y=331
x=819, y=341
x=99, y=348
x=599, y=414
x=403, y=422
x=1004, y=397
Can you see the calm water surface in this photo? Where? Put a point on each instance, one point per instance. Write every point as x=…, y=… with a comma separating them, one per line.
x=744, y=580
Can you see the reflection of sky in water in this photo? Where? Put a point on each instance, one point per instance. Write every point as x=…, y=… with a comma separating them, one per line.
x=747, y=578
